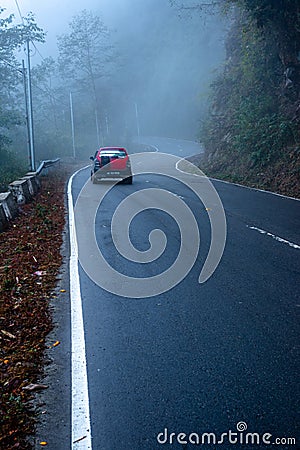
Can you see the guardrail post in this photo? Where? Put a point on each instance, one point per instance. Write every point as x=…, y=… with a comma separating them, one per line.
x=9, y=205
x=33, y=184
x=3, y=219
x=20, y=190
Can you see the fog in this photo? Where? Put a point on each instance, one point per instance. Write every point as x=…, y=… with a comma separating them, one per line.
x=157, y=82
x=171, y=62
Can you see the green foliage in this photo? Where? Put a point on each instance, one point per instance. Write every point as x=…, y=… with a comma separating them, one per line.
x=12, y=37
x=250, y=123
x=51, y=111
x=11, y=168
x=85, y=51
x=262, y=138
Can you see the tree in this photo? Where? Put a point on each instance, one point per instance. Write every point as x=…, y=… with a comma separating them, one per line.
x=252, y=131
x=85, y=55
x=203, y=6
x=12, y=37
x=277, y=18
x=51, y=111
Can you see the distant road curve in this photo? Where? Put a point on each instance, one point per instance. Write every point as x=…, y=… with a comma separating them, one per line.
x=178, y=147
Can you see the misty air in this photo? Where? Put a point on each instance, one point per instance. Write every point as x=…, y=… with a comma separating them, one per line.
x=149, y=224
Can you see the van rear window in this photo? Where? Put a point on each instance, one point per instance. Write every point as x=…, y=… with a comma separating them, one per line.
x=114, y=154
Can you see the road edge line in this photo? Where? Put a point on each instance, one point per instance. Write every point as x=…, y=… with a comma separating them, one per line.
x=264, y=191
x=237, y=184
x=277, y=238
x=80, y=409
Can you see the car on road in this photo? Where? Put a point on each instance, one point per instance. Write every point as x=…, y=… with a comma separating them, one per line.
x=111, y=162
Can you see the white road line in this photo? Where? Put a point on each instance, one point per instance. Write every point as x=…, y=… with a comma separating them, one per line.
x=184, y=140
x=254, y=189
x=239, y=185
x=80, y=419
x=277, y=238
x=153, y=146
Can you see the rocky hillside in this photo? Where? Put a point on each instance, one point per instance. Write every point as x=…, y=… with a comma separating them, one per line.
x=252, y=132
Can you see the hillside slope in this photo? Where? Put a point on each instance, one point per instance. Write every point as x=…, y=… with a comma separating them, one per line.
x=252, y=132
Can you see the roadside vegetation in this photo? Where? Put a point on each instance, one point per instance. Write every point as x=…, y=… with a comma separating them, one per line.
x=30, y=263
x=117, y=83
x=251, y=135
x=13, y=153
x=11, y=168
x=252, y=132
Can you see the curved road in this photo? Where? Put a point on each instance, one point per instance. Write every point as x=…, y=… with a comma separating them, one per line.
x=198, y=361
x=178, y=147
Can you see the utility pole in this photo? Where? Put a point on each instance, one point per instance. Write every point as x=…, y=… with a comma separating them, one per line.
x=97, y=128
x=137, y=119
x=72, y=125
x=26, y=110
x=107, y=125
x=30, y=112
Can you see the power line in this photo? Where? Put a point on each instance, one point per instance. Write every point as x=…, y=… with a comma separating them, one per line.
x=11, y=65
x=29, y=99
x=37, y=50
x=19, y=10
x=32, y=43
x=21, y=16
x=44, y=91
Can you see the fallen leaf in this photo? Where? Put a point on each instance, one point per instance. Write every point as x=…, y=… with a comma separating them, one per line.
x=40, y=273
x=35, y=387
x=62, y=290
x=6, y=333
x=24, y=306
x=43, y=443
x=56, y=343
x=12, y=432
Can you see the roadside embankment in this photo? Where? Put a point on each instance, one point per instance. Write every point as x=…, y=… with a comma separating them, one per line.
x=30, y=255
x=281, y=178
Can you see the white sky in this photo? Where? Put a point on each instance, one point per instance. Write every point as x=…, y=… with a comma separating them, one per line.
x=54, y=9
x=54, y=15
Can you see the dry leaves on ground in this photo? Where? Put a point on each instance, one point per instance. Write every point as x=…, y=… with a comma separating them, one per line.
x=30, y=260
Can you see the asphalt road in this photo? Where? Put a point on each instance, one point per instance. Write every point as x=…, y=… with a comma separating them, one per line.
x=198, y=358
x=178, y=147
